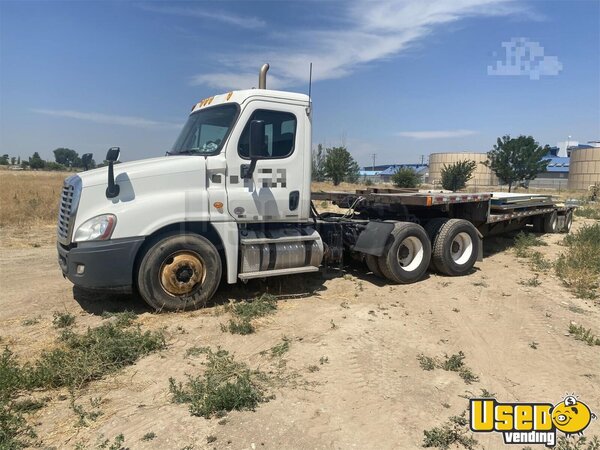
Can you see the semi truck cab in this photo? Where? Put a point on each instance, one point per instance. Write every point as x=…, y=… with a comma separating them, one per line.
x=243, y=158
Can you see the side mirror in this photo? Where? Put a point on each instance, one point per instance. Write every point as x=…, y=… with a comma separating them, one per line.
x=257, y=139
x=256, y=148
x=86, y=159
x=113, y=154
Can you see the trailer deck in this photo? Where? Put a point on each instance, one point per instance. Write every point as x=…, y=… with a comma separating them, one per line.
x=501, y=206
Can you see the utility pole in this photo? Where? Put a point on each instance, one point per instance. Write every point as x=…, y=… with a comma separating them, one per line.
x=373, y=155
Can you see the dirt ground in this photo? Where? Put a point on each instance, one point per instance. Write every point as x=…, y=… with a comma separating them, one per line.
x=363, y=334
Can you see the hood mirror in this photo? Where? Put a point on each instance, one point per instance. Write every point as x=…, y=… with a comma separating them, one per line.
x=111, y=156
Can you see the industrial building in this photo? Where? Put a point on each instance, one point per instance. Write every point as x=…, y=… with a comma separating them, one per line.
x=577, y=172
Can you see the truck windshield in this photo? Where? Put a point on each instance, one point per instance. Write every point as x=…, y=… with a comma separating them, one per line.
x=205, y=131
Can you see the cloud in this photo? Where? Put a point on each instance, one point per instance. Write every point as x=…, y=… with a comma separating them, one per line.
x=248, y=22
x=525, y=57
x=363, y=32
x=127, y=121
x=437, y=134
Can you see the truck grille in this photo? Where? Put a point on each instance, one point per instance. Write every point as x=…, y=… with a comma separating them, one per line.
x=69, y=201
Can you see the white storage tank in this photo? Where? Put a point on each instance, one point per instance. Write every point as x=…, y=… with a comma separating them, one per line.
x=584, y=168
x=482, y=176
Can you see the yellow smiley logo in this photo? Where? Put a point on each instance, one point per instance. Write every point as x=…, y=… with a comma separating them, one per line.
x=571, y=416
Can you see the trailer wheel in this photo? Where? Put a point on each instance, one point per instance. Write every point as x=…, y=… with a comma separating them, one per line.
x=373, y=265
x=455, y=247
x=550, y=222
x=432, y=228
x=407, y=255
x=568, y=222
x=180, y=272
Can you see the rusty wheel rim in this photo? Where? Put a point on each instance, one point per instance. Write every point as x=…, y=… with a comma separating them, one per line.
x=182, y=273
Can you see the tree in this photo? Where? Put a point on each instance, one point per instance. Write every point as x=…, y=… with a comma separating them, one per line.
x=456, y=175
x=18, y=160
x=318, y=164
x=4, y=160
x=13, y=161
x=36, y=162
x=340, y=166
x=515, y=160
x=67, y=157
x=406, y=177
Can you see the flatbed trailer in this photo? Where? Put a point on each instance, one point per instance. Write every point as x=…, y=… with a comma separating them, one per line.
x=486, y=210
x=446, y=228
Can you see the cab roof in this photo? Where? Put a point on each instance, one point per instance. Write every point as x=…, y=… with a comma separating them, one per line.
x=247, y=94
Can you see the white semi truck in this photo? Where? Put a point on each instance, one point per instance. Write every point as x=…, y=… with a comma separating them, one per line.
x=232, y=200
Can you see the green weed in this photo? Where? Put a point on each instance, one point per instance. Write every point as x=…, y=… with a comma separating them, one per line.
x=453, y=432
x=579, y=266
x=581, y=334
x=524, y=241
x=226, y=385
x=63, y=320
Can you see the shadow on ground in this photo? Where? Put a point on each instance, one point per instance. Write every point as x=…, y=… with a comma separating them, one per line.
x=291, y=286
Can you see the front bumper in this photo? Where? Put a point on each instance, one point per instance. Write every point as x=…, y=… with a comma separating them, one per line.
x=103, y=265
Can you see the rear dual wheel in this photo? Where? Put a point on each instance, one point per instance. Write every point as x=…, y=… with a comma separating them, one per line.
x=407, y=254
x=454, y=244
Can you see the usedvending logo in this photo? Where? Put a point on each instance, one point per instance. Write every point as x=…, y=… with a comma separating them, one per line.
x=530, y=423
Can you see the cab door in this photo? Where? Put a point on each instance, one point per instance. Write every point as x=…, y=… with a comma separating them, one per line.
x=274, y=191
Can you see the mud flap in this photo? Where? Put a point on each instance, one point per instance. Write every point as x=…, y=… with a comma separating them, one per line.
x=374, y=237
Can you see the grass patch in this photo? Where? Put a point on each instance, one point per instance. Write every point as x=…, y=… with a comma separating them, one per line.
x=539, y=263
x=29, y=197
x=531, y=282
x=121, y=319
x=63, y=320
x=77, y=360
x=581, y=334
x=579, y=266
x=280, y=349
x=149, y=436
x=453, y=433
x=452, y=363
x=30, y=322
x=99, y=351
x=226, y=385
x=196, y=351
x=524, y=241
x=245, y=311
x=588, y=212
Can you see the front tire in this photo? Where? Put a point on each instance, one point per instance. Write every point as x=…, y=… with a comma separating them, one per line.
x=179, y=273
x=407, y=254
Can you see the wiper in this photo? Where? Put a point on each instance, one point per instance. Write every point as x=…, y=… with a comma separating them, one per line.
x=184, y=152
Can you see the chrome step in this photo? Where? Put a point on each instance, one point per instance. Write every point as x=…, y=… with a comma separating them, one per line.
x=277, y=272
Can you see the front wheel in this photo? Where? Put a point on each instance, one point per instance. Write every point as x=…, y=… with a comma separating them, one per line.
x=179, y=272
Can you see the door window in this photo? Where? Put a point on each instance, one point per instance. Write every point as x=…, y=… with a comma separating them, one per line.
x=280, y=134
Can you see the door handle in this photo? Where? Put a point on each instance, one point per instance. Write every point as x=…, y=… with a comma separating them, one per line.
x=294, y=200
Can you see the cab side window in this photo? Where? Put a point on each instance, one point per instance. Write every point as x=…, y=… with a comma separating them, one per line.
x=280, y=134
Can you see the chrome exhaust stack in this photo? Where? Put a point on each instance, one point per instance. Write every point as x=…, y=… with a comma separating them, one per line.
x=262, y=76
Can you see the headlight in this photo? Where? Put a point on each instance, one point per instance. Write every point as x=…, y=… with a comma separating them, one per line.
x=97, y=228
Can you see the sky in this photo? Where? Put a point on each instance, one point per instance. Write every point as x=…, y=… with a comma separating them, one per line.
x=398, y=79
